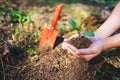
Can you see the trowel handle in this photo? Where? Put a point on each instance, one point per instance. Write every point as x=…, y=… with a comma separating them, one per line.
x=56, y=15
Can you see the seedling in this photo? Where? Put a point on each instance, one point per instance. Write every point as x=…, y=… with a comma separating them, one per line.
x=15, y=16
x=74, y=26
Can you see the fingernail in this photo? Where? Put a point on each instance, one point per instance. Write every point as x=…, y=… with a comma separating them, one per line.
x=65, y=39
x=63, y=47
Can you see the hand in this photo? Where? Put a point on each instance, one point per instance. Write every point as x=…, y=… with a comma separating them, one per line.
x=85, y=53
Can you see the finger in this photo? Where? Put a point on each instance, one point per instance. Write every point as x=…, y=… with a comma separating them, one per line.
x=69, y=48
x=72, y=49
x=84, y=51
x=88, y=57
x=63, y=45
x=74, y=36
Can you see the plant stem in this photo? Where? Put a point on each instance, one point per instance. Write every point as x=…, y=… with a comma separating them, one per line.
x=78, y=35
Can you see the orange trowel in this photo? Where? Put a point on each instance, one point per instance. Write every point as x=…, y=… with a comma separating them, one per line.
x=49, y=35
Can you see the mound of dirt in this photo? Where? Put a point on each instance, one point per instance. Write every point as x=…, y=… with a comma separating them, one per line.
x=58, y=65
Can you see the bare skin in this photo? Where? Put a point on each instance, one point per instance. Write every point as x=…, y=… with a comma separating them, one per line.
x=102, y=39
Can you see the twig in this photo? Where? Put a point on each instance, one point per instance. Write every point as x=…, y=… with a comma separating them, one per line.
x=2, y=67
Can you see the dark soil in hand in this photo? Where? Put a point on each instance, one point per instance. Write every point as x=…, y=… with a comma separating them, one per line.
x=80, y=42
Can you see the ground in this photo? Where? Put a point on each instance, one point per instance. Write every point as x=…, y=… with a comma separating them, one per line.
x=56, y=64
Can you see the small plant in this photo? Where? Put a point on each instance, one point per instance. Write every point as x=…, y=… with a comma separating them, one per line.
x=15, y=16
x=74, y=26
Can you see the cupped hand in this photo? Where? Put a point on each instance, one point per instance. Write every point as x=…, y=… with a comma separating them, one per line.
x=85, y=53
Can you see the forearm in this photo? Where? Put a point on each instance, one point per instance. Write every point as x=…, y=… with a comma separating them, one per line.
x=111, y=24
x=111, y=42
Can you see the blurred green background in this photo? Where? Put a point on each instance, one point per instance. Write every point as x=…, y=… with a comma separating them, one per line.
x=100, y=3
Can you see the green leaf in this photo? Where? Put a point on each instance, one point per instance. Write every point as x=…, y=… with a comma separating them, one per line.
x=89, y=33
x=72, y=23
x=118, y=59
x=29, y=50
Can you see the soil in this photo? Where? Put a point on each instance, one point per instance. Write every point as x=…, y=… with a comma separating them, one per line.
x=80, y=42
x=58, y=65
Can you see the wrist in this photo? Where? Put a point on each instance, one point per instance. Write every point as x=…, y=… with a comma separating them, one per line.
x=107, y=43
x=98, y=36
x=104, y=44
x=111, y=42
